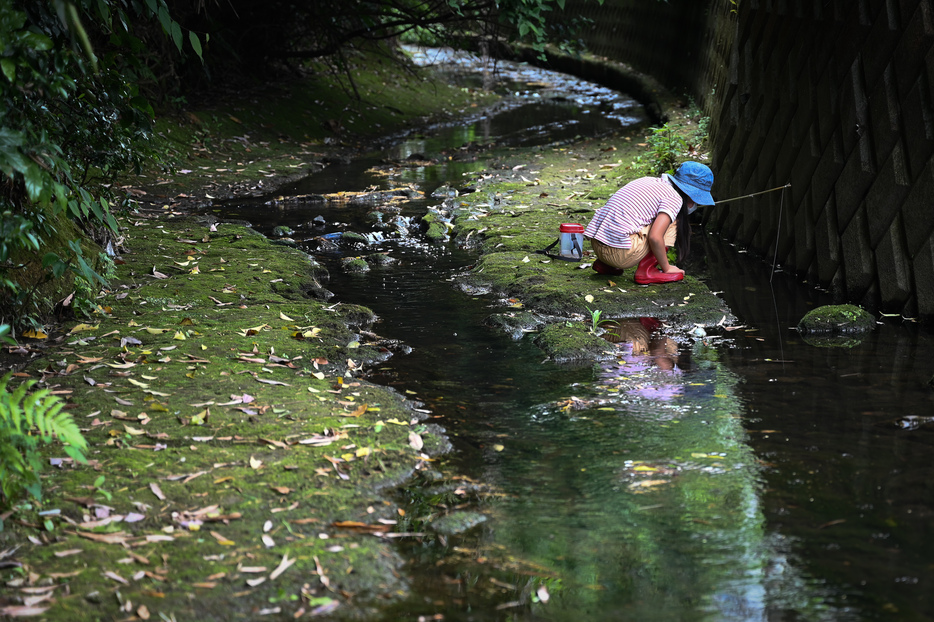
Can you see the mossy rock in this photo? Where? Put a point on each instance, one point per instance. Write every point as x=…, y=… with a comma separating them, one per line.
x=355, y=265
x=516, y=324
x=837, y=320
x=570, y=343
x=436, y=231
x=352, y=236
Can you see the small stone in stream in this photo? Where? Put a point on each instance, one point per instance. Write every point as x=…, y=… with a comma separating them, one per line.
x=457, y=522
x=355, y=265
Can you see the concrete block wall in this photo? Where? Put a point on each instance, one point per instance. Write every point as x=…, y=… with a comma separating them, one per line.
x=835, y=97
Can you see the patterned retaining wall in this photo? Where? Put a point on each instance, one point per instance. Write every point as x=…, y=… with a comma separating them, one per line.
x=832, y=96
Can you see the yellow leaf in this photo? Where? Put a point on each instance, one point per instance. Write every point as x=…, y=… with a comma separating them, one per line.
x=317, y=374
x=348, y=457
x=588, y=298
x=397, y=422
x=254, y=463
x=498, y=447
x=156, y=331
x=363, y=451
x=195, y=270
x=133, y=323
x=35, y=334
x=249, y=332
x=83, y=327
x=179, y=335
x=137, y=383
x=642, y=467
x=201, y=418
x=133, y=431
x=283, y=316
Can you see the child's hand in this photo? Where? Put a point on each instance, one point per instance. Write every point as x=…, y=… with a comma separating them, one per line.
x=672, y=269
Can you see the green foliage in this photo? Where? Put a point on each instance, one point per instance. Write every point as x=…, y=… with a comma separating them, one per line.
x=26, y=420
x=595, y=315
x=72, y=117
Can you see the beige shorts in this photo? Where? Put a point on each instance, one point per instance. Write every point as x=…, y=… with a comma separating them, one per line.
x=623, y=258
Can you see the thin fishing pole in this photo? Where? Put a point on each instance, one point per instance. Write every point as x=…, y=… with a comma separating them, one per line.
x=778, y=232
x=747, y=196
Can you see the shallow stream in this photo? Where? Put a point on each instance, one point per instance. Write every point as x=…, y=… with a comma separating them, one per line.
x=738, y=475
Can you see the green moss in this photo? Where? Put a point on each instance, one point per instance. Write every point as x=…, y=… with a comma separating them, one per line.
x=572, y=342
x=836, y=320
x=203, y=374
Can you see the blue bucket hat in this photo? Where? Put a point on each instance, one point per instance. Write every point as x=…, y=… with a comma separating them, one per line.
x=695, y=180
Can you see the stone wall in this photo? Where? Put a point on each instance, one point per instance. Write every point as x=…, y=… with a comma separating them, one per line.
x=831, y=96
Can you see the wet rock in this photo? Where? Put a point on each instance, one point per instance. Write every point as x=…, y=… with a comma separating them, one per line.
x=444, y=191
x=351, y=236
x=836, y=326
x=516, y=325
x=457, y=522
x=837, y=319
x=318, y=221
x=325, y=245
x=375, y=217
x=381, y=259
x=282, y=231
x=573, y=343
x=355, y=265
x=436, y=232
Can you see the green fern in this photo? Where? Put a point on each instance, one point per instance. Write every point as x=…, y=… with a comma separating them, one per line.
x=26, y=419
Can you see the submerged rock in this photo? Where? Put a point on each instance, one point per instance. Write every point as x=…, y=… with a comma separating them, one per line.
x=457, y=522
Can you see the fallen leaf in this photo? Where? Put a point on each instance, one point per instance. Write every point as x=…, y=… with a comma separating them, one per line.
x=83, y=327
x=415, y=441
x=357, y=412
x=282, y=567
x=254, y=463
x=154, y=487
x=116, y=577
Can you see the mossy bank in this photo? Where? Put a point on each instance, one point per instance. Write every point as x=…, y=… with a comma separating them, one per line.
x=237, y=463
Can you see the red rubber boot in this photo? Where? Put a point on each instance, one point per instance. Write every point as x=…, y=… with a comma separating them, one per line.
x=648, y=273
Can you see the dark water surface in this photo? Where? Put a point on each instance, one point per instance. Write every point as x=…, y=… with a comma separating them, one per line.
x=741, y=475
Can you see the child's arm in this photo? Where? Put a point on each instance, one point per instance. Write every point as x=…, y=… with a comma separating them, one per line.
x=657, y=243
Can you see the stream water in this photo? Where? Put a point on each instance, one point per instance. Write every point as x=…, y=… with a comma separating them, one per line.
x=742, y=475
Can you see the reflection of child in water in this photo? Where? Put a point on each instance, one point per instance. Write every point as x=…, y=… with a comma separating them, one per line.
x=645, y=340
x=648, y=360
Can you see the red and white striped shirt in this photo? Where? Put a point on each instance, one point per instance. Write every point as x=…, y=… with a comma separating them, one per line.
x=631, y=208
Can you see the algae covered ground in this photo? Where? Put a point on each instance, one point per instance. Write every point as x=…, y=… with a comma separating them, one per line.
x=236, y=462
x=240, y=465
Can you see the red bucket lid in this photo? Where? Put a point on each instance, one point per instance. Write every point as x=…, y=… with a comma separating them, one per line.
x=571, y=227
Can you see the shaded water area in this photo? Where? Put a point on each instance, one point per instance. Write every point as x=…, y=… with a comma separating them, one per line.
x=735, y=475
